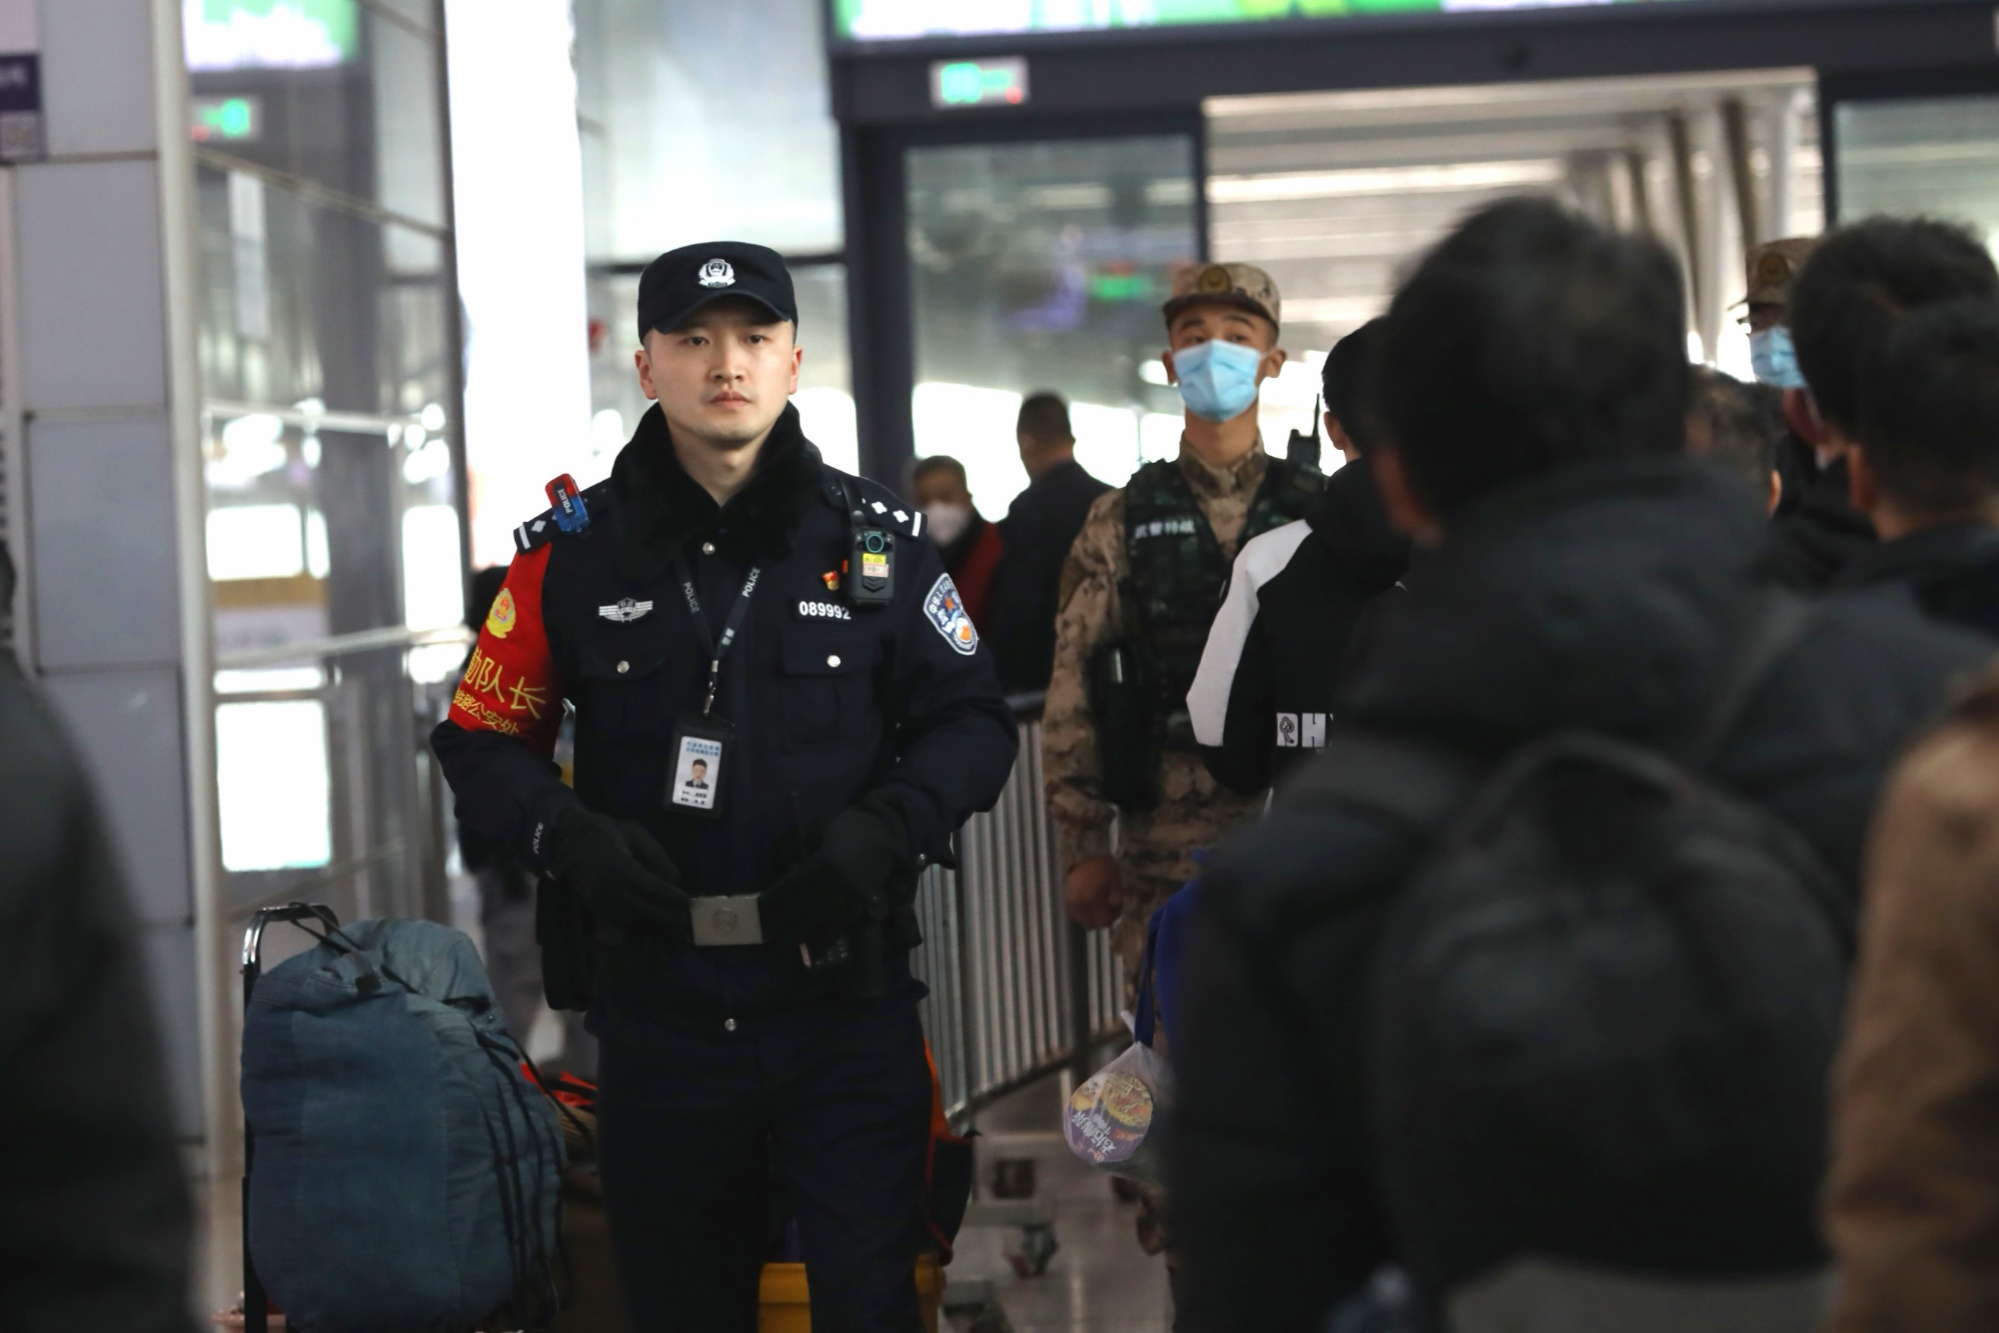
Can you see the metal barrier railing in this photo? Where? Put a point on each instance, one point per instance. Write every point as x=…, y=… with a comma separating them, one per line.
x=1016, y=991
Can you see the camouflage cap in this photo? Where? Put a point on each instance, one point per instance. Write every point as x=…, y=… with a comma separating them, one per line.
x=1774, y=266
x=1242, y=285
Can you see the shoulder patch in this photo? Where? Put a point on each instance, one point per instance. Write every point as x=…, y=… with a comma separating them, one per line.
x=946, y=611
x=546, y=526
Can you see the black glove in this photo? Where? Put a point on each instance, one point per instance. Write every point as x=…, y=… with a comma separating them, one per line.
x=845, y=884
x=622, y=874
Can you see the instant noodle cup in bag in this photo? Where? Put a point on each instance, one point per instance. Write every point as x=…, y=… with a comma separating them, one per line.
x=1112, y=1116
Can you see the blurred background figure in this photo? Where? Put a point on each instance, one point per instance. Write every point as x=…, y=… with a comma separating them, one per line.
x=1039, y=528
x=969, y=544
x=1926, y=467
x=1737, y=426
x=95, y=1223
x=1858, y=286
x=1912, y=1207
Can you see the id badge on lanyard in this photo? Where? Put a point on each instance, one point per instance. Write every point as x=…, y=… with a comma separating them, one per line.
x=704, y=742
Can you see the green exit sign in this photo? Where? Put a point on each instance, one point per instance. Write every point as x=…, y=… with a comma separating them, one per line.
x=1000, y=82
x=227, y=119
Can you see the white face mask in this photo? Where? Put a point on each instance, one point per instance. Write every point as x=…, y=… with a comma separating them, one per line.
x=947, y=522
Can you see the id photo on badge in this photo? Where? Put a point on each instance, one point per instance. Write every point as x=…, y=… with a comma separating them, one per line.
x=697, y=774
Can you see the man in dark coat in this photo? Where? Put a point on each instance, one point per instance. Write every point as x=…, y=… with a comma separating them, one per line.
x=1583, y=574
x=1859, y=283
x=95, y=1226
x=1039, y=528
x=1926, y=467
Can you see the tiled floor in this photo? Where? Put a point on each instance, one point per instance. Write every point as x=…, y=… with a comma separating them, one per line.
x=1099, y=1281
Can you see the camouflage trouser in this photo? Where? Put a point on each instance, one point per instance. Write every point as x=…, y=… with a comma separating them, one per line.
x=1155, y=852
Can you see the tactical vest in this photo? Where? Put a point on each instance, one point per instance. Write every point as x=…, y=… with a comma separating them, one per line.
x=1179, y=574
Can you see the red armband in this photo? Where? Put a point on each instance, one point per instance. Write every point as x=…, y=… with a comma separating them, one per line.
x=510, y=686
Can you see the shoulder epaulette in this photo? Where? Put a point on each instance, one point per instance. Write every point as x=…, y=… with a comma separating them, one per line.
x=879, y=503
x=544, y=527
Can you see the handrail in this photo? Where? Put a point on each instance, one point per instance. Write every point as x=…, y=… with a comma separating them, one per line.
x=1016, y=991
x=343, y=645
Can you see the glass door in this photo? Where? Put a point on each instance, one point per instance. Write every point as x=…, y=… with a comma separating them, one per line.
x=1040, y=265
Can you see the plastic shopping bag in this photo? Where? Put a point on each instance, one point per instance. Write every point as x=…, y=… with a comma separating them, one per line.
x=1113, y=1116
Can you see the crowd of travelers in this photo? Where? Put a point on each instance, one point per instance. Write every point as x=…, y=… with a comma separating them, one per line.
x=1590, y=791
x=1624, y=960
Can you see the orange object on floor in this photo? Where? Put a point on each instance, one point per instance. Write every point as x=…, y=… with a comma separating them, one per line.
x=785, y=1305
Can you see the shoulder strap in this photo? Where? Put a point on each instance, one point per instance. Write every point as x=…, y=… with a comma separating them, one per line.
x=543, y=528
x=1775, y=621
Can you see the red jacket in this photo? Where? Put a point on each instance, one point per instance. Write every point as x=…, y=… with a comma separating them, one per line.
x=971, y=561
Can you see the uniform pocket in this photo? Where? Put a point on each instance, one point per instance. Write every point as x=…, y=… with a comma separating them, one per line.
x=827, y=687
x=623, y=687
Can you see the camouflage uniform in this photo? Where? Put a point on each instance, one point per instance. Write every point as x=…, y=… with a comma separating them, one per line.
x=1154, y=847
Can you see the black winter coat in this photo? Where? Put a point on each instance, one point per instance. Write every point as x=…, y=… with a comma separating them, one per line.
x=1952, y=572
x=1601, y=598
x=829, y=703
x=1039, y=528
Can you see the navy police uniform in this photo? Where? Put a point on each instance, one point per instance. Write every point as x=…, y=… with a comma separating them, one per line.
x=855, y=739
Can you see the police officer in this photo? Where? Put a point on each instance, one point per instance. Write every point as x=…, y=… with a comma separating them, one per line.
x=781, y=712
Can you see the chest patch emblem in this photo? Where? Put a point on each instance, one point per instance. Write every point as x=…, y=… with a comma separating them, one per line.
x=946, y=610
x=625, y=611
x=811, y=610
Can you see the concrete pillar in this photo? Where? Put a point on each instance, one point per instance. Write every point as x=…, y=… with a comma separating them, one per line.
x=97, y=365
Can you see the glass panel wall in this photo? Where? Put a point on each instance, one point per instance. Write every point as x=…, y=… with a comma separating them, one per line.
x=1043, y=266
x=706, y=122
x=330, y=381
x=1938, y=156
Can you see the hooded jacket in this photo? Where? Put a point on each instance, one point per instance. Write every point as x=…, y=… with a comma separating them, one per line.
x=1300, y=602
x=1953, y=573
x=1600, y=597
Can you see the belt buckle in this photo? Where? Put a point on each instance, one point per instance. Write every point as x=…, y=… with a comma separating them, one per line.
x=727, y=920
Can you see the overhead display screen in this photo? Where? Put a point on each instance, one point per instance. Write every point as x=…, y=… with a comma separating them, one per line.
x=893, y=20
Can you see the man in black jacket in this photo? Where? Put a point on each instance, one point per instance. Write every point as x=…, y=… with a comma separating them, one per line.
x=1300, y=600
x=1039, y=528
x=1926, y=469
x=95, y=1226
x=1583, y=575
x=1859, y=283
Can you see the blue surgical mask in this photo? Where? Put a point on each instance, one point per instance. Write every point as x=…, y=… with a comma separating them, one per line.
x=1775, y=358
x=1217, y=379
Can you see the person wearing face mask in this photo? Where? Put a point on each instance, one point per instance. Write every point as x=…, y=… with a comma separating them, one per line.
x=1141, y=588
x=970, y=545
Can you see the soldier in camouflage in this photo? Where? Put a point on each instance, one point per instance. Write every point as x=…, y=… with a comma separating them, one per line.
x=1150, y=564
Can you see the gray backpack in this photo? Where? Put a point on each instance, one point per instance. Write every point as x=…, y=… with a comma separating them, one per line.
x=406, y=1170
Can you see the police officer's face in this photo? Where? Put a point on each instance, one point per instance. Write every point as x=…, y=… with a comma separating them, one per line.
x=1228, y=323
x=725, y=375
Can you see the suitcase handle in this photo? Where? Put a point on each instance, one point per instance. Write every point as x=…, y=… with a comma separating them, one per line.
x=256, y=1305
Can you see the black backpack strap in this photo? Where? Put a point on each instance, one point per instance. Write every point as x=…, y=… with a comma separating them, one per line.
x=1775, y=621
x=1420, y=786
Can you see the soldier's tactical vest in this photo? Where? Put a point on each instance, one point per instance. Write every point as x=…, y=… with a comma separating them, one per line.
x=1178, y=572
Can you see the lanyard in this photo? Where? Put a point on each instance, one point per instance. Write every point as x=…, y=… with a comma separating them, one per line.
x=716, y=651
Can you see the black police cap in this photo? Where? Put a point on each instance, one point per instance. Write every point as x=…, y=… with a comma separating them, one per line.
x=682, y=281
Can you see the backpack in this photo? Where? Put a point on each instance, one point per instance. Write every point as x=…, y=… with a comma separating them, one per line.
x=1604, y=1007
x=406, y=1172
